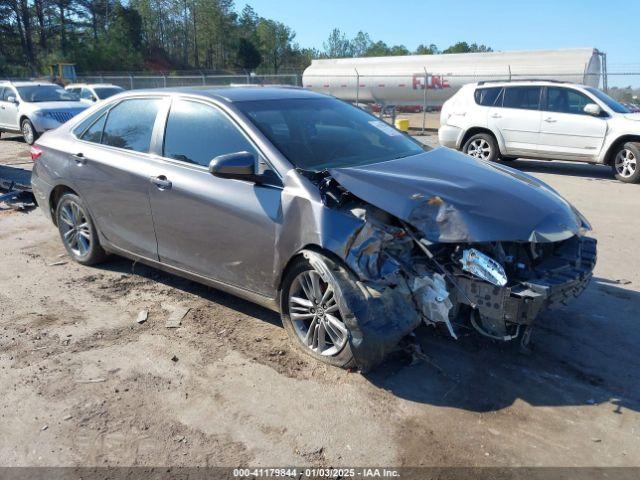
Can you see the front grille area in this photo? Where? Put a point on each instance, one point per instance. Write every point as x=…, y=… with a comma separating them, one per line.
x=61, y=116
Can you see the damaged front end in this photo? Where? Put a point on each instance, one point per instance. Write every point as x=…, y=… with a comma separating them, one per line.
x=447, y=269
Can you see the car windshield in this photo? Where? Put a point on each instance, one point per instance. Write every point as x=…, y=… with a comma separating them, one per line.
x=320, y=133
x=106, y=92
x=45, y=93
x=610, y=102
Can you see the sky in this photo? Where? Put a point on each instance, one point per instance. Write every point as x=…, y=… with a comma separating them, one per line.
x=612, y=26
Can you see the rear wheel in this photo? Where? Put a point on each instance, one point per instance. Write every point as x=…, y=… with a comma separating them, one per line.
x=28, y=131
x=482, y=146
x=77, y=231
x=625, y=163
x=313, y=315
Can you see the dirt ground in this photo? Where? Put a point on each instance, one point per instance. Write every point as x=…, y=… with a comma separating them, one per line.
x=83, y=384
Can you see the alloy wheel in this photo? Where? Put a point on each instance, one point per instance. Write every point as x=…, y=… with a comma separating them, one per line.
x=27, y=132
x=315, y=314
x=76, y=233
x=625, y=163
x=479, y=148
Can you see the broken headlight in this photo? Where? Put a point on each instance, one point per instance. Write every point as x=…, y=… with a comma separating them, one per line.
x=483, y=266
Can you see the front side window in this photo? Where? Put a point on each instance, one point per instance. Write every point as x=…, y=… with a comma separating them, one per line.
x=487, y=96
x=608, y=101
x=526, y=98
x=86, y=94
x=129, y=124
x=8, y=92
x=565, y=100
x=197, y=133
x=45, y=93
x=319, y=133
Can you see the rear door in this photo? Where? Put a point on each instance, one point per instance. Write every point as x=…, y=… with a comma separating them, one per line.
x=516, y=117
x=566, y=131
x=218, y=228
x=112, y=167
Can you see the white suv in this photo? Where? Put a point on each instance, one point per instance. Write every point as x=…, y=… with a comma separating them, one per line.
x=543, y=119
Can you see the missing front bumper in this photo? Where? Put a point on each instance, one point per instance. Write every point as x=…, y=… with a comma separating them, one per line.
x=562, y=277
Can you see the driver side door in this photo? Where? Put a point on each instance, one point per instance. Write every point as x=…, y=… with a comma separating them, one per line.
x=9, y=110
x=218, y=228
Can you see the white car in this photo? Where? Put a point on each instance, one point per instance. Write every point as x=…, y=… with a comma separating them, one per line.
x=31, y=108
x=94, y=92
x=542, y=119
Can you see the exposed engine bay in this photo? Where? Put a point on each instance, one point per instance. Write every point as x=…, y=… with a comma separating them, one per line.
x=497, y=287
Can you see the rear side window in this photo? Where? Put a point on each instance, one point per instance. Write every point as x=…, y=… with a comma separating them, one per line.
x=487, y=96
x=197, y=133
x=526, y=98
x=565, y=100
x=94, y=132
x=130, y=124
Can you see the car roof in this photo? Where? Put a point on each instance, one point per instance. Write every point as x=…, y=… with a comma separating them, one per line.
x=25, y=84
x=517, y=83
x=91, y=85
x=242, y=93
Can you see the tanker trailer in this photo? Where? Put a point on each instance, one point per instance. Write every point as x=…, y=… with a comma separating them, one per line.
x=432, y=79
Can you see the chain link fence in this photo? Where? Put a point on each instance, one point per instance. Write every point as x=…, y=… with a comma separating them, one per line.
x=134, y=81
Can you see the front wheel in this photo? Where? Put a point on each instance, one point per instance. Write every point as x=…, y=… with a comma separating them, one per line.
x=482, y=146
x=28, y=131
x=77, y=231
x=313, y=312
x=625, y=163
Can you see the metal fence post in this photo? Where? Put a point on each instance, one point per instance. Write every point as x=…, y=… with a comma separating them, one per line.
x=164, y=81
x=204, y=80
x=357, y=87
x=424, y=100
x=131, y=81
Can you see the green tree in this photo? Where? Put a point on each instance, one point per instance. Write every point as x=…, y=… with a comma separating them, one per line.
x=427, y=50
x=337, y=45
x=249, y=57
x=464, y=47
x=275, y=41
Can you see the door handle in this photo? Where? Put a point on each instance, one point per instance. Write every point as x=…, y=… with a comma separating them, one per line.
x=496, y=115
x=161, y=182
x=550, y=120
x=80, y=158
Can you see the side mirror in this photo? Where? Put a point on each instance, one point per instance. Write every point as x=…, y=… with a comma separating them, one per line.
x=93, y=99
x=592, y=109
x=12, y=99
x=239, y=165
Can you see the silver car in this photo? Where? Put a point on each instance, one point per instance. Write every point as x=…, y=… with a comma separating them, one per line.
x=32, y=108
x=307, y=205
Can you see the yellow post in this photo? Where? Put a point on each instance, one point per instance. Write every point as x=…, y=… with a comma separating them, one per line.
x=402, y=124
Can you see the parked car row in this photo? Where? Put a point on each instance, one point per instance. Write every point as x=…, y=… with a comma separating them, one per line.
x=353, y=231
x=543, y=120
x=32, y=108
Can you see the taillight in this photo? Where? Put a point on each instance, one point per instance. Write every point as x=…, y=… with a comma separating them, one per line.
x=35, y=152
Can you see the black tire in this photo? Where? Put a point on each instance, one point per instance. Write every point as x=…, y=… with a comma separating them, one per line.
x=482, y=146
x=88, y=250
x=28, y=131
x=626, y=163
x=343, y=358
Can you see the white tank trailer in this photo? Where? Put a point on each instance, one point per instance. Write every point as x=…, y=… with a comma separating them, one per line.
x=401, y=80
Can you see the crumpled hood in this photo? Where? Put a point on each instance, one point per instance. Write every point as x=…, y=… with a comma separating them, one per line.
x=451, y=197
